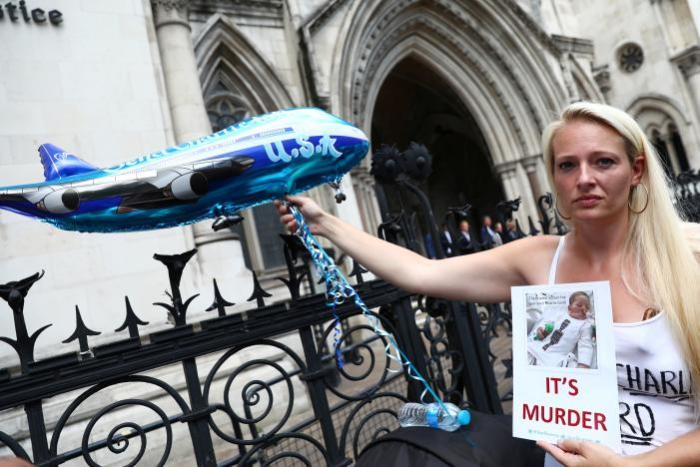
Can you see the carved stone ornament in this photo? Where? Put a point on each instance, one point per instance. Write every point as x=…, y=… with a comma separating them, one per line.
x=170, y=4
x=630, y=57
x=170, y=12
x=601, y=75
x=688, y=61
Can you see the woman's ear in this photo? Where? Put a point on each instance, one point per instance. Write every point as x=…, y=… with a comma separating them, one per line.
x=639, y=166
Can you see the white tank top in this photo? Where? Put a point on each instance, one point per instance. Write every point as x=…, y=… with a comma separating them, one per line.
x=656, y=403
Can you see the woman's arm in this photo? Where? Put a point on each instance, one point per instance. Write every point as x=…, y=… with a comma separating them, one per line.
x=683, y=451
x=481, y=277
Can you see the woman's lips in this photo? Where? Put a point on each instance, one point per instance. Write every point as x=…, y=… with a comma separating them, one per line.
x=588, y=201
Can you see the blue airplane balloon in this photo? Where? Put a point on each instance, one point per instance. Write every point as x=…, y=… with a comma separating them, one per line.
x=250, y=163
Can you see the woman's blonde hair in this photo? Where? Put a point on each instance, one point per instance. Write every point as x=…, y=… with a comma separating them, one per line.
x=666, y=267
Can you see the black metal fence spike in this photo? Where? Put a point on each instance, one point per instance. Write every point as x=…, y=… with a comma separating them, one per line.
x=220, y=303
x=357, y=271
x=457, y=214
x=295, y=245
x=132, y=322
x=505, y=209
x=169, y=308
x=176, y=264
x=390, y=229
x=545, y=203
x=533, y=229
x=178, y=310
x=14, y=294
x=559, y=224
x=293, y=283
x=259, y=294
x=183, y=310
x=81, y=332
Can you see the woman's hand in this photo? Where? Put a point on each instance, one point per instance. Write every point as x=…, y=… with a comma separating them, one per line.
x=312, y=212
x=584, y=454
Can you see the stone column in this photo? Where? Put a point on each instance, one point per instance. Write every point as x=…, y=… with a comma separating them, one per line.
x=522, y=179
x=218, y=256
x=507, y=173
x=530, y=166
x=180, y=70
x=671, y=150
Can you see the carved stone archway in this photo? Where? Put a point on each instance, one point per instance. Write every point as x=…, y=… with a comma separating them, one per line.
x=491, y=53
x=663, y=121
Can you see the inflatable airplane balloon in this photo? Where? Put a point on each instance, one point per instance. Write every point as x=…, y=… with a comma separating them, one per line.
x=250, y=163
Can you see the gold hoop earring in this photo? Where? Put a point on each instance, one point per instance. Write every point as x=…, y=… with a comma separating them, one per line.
x=556, y=208
x=646, y=202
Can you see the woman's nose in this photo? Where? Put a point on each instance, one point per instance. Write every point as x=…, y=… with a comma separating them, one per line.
x=585, y=176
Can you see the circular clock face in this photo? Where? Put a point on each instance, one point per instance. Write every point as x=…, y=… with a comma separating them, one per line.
x=630, y=57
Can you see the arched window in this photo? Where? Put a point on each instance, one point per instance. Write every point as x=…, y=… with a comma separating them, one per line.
x=263, y=250
x=661, y=148
x=678, y=148
x=665, y=126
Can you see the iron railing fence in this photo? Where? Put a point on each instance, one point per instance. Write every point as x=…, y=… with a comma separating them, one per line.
x=687, y=191
x=243, y=377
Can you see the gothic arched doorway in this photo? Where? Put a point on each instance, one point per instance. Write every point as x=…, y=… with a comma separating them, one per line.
x=416, y=104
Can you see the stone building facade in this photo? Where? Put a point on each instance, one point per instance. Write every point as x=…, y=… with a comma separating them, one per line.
x=474, y=80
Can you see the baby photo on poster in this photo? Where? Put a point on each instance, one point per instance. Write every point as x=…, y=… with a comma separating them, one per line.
x=561, y=329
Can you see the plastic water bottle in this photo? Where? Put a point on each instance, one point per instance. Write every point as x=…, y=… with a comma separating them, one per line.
x=434, y=416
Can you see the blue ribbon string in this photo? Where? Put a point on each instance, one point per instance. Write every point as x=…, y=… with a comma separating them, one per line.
x=338, y=290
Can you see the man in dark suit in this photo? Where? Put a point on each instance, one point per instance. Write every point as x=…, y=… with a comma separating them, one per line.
x=446, y=241
x=511, y=231
x=464, y=240
x=486, y=233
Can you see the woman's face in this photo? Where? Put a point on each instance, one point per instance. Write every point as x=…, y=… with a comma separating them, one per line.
x=592, y=173
x=579, y=307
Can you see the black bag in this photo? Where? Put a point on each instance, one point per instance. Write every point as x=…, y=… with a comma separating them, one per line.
x=486, y=442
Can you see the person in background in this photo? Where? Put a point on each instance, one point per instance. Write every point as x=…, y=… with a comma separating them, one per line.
x=498, y=238
x=489, y=237
x=464, y=241
x=446, y=241
x=511, y=231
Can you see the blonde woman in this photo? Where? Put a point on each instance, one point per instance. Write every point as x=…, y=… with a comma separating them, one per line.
x=610, y=186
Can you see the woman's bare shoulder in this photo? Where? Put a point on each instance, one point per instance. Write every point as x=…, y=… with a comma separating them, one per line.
x=537, y=244
x=531, y=256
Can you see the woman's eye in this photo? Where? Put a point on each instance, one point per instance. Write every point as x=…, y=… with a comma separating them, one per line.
x=605, y=162
x=565, y=165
